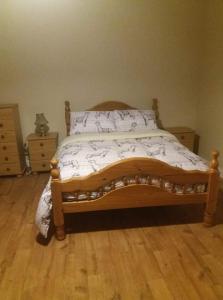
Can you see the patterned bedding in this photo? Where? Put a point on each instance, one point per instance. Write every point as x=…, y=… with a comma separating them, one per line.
x=81, y=155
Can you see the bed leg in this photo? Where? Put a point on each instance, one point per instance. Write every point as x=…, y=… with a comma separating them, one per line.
x=58, y=215
x=212, y=196
x=208, y=219
x=60, y=233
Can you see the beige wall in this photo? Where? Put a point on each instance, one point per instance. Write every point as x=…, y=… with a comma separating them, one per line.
x=91, y=50
x=210, y=105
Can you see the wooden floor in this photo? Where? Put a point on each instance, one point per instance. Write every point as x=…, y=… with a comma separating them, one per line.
x=152, y=253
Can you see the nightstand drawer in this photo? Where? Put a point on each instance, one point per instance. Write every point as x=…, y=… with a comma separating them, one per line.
x=7, y=124
x=7, y=136
x=43, y=165
x=42, y=145
x=6, y=148
x=10, y=169
x=6, y=113
x=42, y=155
x=185, y=136
x=9, y=158
x=187, y=139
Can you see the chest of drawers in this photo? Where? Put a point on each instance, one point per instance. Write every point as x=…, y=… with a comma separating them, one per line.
x=12, y=159
x=41, y=150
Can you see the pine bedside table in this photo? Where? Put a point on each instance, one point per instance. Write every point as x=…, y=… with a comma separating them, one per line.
x=41, y=150
x=185, y=135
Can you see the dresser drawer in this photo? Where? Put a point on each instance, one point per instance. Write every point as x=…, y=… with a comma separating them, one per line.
x=9, y=158
x=43, y=165
x=7, y=136
x=42, y=145
x=6, y=114
x=10, y=169
x=8, y=148
x=7, y=124
x=41, y=155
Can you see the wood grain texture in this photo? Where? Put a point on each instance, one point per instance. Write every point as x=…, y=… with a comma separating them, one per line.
x=137, y=195
x=133, y=196
x=111, y=105
x=67, y=116
x=132, y=166
x=41, y=150
x=147, y=253
x=12, y=158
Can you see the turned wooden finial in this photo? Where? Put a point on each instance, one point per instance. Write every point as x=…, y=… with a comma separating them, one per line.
x=156, y=111
x=55, y=171
x=67, y=116
x=214, y=162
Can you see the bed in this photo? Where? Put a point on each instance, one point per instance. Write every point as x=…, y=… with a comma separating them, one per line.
x=116, y=170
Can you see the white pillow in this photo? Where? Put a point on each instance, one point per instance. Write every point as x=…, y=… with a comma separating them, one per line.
x=91, y=121
x=135, y=120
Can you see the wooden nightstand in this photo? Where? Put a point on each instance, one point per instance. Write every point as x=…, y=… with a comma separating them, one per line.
x=41, y=150
x=185, y=135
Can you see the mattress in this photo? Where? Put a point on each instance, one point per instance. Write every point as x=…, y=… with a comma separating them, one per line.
x=84, y=154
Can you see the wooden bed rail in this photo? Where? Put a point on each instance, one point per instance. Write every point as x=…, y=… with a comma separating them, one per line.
x=136, y=195
x=133, y=167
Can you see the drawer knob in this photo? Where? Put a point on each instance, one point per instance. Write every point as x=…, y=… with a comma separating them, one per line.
x=4, y=148
x=41, y=144
x=42, y=154
x=43, y=165
x=182, y=137
x=2, y=136
x=8, y=169
x=6, y=158
x=1, y=125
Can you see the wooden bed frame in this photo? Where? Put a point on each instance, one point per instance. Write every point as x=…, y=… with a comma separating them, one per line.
x=132, y=195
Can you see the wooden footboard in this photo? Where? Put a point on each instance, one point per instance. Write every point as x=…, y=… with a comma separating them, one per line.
x=133, y=182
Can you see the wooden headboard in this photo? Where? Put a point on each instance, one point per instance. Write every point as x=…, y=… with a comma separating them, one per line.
x=109, y=106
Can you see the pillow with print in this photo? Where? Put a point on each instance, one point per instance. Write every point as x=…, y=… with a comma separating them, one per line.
x=91, y=122
x=135, y=120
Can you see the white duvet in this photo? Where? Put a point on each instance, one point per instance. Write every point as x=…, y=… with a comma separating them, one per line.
x=83, y=154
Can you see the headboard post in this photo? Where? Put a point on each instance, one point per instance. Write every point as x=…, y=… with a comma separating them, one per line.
x=156, y=110
x=67, y=116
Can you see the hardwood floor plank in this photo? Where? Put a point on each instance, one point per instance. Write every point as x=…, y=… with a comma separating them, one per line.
x=160, y=290
x=193, y=267
x=138, y=254
x=177, y=281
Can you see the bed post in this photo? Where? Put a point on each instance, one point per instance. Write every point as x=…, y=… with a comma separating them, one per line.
x=156, y=110
x=67, y=116
x=212, y=196
x=58, y=215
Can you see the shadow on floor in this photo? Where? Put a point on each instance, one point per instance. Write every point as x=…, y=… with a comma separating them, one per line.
x=134, y=218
